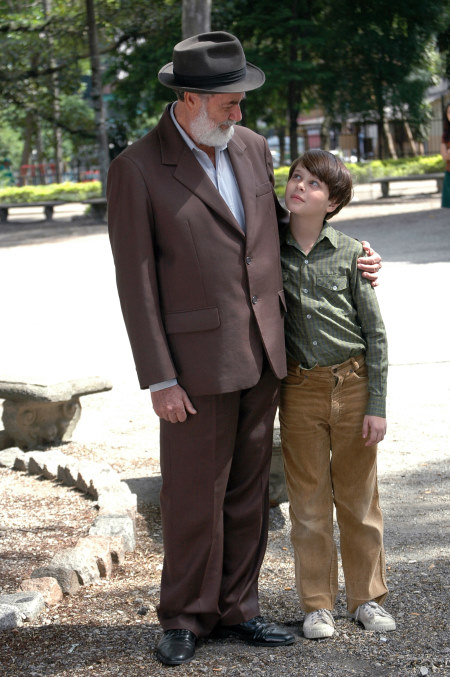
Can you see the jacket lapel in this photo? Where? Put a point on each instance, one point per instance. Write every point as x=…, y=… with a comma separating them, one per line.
x=243, y=171
x=188, y=171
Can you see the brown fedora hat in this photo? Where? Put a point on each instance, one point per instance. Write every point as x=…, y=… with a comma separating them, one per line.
x=211, y=62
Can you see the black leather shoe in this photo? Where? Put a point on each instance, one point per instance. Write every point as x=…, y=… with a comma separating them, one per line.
x=176, y=646
x=258, y=632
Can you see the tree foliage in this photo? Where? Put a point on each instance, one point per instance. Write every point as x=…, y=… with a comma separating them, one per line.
x=353, y=58
x=380, y=58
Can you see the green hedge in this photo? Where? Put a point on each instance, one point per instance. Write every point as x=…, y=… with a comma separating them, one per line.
x=366, y=171
x=66, y=192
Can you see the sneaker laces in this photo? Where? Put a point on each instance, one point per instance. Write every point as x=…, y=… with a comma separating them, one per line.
x=372, y=609
x=321, y=615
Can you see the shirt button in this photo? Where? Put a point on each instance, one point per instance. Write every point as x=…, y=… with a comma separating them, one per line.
x=254, y=300
x=334, y=288
x=305, y=291
x=314, y=343
x=248, y=260
x=306, y=261
x=308, y=317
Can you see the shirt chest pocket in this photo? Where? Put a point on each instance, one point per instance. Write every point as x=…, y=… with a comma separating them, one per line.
x=332, y=283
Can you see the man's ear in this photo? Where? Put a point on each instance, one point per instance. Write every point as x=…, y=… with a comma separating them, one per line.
x=191, y=101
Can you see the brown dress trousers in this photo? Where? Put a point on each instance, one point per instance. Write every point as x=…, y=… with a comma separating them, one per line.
x=203, y=302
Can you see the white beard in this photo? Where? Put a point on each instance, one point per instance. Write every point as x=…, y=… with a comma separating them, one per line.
x=207, y=133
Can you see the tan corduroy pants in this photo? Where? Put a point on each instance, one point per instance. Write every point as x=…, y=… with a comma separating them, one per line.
x=327, y=464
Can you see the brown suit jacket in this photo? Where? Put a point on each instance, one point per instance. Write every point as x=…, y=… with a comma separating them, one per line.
x=201, y=300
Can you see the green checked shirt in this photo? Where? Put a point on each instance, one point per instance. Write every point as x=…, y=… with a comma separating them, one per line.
x=333, y=312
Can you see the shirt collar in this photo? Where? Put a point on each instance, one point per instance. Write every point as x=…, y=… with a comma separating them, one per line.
x=327, y=232
x=191, y=144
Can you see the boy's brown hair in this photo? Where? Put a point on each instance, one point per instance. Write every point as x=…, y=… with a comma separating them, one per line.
x=330, y=170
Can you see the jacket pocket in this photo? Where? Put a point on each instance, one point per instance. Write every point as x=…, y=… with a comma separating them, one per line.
x=263, y=188
x=203, y=319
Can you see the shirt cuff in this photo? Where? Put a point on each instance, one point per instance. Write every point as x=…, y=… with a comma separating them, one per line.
x=376, y=406
x=163, y=384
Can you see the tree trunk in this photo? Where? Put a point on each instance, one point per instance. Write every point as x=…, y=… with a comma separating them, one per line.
x=281, y=134
x=196, y=17
x=389, y=140
x=26, y=150
x=96, y=94
x=410, y=138
x=54, y=88
x=293, y=114
x=325, y=133
x=40, y=154
x=294, y=96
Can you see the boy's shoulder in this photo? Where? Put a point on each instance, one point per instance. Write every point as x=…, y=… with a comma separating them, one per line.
x=350, y=244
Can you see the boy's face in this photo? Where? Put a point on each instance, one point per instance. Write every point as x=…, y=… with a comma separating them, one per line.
x=307, y=195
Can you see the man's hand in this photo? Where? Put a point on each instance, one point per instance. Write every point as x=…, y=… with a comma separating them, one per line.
x=370, y=264
x=375, y=428
x=172, y=404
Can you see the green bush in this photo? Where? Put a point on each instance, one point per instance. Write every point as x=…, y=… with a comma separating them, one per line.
x=366, y=171
x=65, y=192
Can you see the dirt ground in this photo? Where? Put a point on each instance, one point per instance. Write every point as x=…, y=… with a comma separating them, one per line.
x=61, y=320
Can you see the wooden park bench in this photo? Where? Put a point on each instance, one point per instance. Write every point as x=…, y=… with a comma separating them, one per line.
x=385, y=181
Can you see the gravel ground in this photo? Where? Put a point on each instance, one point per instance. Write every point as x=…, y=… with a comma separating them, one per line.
x=111, y=628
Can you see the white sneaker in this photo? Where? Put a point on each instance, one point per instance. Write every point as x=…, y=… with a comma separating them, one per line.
x=318, y=624
x=374, y=617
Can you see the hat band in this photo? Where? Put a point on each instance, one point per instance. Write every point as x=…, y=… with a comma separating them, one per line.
x=205, y=81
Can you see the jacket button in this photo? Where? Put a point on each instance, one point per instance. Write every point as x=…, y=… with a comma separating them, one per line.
x=254, y=299
x=248, y=260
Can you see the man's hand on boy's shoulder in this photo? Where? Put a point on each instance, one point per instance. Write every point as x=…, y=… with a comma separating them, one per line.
x=370, y=264
x=374, y=429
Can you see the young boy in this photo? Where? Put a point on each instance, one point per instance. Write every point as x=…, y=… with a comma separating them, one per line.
x=332, y=400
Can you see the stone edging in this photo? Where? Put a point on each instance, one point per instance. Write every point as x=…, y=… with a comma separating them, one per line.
x=112, y=534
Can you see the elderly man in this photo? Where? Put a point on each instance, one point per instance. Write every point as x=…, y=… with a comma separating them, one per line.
x=193, y=227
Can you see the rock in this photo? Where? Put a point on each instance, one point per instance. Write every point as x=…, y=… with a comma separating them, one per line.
x=36, y=462
x=117, y=549
x=10, y=617
x=47, y=586
x=99, y=549
x=122, y=526
x=89, y=473
x=113, y=501
x=29, y=604
x=9, y=456
x=80, y=560
x=53, y=459
x=68, y=473
x=66, y=577
x=21, y=462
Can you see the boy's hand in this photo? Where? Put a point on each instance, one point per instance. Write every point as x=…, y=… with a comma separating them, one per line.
x=370, y=264
x=375, y=428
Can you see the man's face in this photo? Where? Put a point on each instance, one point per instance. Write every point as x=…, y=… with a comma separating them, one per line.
x=213, y=124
